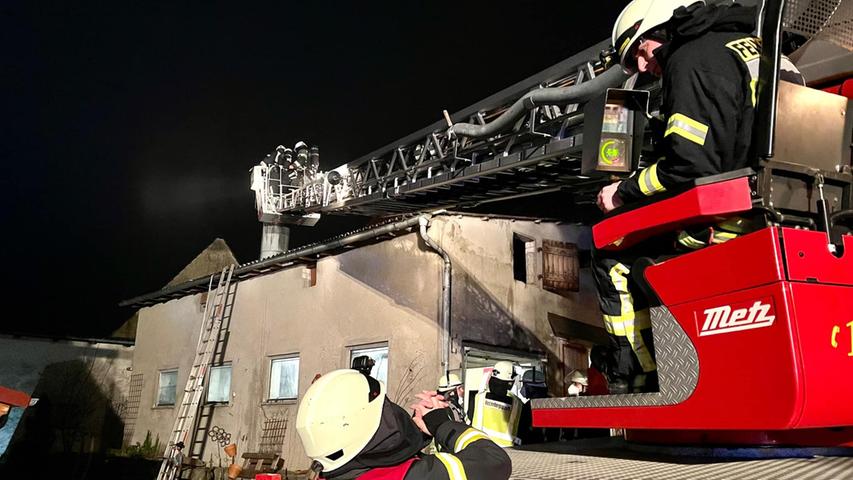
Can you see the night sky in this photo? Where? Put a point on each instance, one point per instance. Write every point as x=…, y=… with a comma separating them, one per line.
x=129, y=128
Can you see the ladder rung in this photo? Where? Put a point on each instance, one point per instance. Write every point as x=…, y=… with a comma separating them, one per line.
x=215, y=311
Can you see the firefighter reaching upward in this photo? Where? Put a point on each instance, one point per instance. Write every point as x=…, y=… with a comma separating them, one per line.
x=353, y=431
x=708, y=59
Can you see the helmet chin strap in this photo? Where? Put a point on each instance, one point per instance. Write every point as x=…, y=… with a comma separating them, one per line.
x=315, y=470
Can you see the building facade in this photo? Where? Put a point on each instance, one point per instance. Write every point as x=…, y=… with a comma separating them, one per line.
x=81, y=386
x=517, y=292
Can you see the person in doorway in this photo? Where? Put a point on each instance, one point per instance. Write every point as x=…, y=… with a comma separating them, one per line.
x=533, y=385
x=453, y=392
x=577, y=384
x=597, y=372
x=708, y=60
x=351, y=430
x=496, y=410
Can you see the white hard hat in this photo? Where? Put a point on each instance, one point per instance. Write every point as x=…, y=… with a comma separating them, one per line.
x=579, y=377
x=637, y=19
x=448, y=382
x=504, y=371
x=338, y=416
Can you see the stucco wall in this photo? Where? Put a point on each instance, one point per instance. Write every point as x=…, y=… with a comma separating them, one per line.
x=489, y=305
x=386, y=292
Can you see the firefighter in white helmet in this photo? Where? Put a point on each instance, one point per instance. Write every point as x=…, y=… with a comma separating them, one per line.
x=351, y=430
x=577, y=383
x=450, y=387
x=496, y=410
x=708, y=59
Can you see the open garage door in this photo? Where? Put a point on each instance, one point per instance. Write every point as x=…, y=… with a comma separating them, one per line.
x=478, y=360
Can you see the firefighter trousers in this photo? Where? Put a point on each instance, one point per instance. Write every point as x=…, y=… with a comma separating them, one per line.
x=625, y=311
x=625, y=308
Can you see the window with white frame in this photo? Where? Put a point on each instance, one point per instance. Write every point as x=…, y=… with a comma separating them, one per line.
x=167, y=387
x=379, y=354
x=284, y=378
x=219, y=387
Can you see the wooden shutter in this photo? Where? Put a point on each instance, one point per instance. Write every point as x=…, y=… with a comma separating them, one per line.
x=560, y=266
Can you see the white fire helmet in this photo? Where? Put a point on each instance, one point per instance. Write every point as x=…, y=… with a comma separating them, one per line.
x=637, y=19
x=504, y=371
x=448, y=382
x=579, y=377
x=338, y=416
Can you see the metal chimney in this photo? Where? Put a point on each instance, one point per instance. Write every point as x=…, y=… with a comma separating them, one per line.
x=275, y=239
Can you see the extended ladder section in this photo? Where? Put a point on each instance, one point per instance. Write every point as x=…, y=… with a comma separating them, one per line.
x=524, y=140
x=214, y=313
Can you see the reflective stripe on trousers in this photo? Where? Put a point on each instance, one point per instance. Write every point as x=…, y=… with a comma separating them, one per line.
x=629, y=323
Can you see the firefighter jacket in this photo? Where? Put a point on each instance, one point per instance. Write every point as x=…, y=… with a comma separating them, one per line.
x=464, y=454
x=498, y=417
x=710, y=72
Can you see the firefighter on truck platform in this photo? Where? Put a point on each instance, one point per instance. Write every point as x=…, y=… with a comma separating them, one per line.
x=351, y=430
x=708, y=59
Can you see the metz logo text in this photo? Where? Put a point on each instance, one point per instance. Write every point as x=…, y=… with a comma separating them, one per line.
x=737, y=317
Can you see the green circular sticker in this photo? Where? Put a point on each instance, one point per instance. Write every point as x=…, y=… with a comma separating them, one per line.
x=609, y=152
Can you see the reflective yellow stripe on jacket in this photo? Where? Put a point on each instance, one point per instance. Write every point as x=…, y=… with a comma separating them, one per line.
x=455, y=469
x=686, y=127
x=496, y=419
x=649, y=181
x=467, y=438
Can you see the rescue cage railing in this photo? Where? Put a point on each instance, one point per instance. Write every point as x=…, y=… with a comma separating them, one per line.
x=776, y=16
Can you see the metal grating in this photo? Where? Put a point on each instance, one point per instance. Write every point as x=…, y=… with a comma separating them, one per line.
x=131, y=410
x=678, y=369
x=530, y=465
x=839, y=28
x=829, y=20
x=273, y=433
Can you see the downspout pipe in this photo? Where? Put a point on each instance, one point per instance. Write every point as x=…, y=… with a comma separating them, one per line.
x=580, y=93
x=446, y=288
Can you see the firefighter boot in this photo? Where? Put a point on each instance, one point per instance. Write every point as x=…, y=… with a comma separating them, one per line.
x=619, y=386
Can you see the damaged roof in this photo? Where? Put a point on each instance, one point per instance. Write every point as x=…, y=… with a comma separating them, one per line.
x=307, y=254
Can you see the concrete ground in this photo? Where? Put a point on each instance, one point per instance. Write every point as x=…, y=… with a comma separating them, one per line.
x=615, y=461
